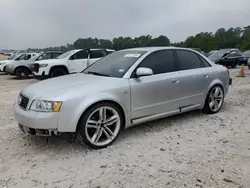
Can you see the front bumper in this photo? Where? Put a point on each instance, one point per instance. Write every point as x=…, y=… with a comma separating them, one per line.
x=38, y=123
x=10, y=70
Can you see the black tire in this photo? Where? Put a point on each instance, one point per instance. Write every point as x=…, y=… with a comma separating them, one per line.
x=58, y=72
x=206, y=109
x=22, y=73
x=81, y=128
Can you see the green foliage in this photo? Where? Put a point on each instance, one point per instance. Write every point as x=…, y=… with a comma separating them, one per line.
x=206, y=41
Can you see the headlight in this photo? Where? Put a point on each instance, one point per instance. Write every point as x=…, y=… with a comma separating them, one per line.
x=46, y=106
x=43, y=65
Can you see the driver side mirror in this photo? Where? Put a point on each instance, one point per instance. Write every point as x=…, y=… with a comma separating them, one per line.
x=143, y=71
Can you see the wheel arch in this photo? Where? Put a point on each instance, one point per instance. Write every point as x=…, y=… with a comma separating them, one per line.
x=58, y=66
x=22, y=66
x=102, y=101
x=215, y=83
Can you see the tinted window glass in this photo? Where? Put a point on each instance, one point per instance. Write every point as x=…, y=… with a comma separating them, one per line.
x=188, y=60
x=54, y=55
x=160, y=62
x=97, y=54
x=115, y=64
x=44, y=56
x=81, y=55
x=205, y=63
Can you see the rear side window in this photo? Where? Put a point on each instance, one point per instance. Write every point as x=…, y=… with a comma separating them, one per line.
x=97, y=54
x=204, y=62
x=160, y=62
x=188, y=60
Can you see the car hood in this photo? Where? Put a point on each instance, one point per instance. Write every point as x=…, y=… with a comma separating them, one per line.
x=72, y=85
x=48, y=61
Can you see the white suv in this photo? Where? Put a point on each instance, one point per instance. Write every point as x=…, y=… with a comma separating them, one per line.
x=72, y=61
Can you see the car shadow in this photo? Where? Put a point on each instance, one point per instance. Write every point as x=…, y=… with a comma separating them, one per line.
x=60, y=145
x=15, y=78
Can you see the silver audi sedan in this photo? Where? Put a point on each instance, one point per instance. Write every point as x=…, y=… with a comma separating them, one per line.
x=125, y=88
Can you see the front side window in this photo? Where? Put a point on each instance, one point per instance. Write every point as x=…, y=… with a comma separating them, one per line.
x=115, y=64
x=188, y=60
x=83, y=54
x=160, y=62
x=96, y=54
x=67, y=54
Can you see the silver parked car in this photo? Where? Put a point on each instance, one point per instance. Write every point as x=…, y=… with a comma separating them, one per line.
x=22, y=69
x=125, y=88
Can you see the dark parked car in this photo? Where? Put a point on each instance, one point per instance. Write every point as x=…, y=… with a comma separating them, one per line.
x=227, y=57
x=246, y=56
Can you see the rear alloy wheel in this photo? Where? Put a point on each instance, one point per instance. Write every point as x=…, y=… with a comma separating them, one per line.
x=100, y=125
x=22, y=73
x=58, y=72
x=214, y=100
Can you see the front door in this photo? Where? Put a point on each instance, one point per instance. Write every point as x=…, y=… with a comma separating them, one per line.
x=156, y=93
x=194, y=77
x=78, y=61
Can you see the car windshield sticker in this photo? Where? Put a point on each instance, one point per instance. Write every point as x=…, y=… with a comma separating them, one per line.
x=132, y=55
x=121, y=70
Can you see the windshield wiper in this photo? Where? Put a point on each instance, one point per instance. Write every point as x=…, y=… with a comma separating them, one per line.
x=97, y=73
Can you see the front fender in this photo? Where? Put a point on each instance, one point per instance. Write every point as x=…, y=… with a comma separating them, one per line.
x=70, y=116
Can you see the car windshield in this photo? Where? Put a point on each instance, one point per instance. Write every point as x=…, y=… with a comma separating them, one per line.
x=17, y=57
x=22, y=57
x=216, y=56
x=246, y=53
x=115, y=64
x=66, y=54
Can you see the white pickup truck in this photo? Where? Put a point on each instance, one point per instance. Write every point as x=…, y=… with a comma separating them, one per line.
x=72, y=61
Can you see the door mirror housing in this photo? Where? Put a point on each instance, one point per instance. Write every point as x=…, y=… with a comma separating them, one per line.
x=143, y=71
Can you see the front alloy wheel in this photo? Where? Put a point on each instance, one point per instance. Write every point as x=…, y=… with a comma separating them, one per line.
x=100, y=125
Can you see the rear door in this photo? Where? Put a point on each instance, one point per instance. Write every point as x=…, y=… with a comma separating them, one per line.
x=194, y=77
x=78, y=61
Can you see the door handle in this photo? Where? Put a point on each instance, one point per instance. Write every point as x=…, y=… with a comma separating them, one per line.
x=175, y=81
x=205, y=76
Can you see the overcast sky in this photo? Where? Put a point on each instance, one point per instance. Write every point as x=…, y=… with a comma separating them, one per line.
x=44, y=23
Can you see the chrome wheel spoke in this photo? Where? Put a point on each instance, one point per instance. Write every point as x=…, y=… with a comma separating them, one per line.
x=96, y=136
x=216, y=105
x=218, y=97
x=216, y=92
x=211, y=104
x=109, y=134
x=92, y=124
x=111, y=120
x=102, y=114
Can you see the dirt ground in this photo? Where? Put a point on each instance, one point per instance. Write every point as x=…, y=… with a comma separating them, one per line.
x=188, y=150
x=3, y=57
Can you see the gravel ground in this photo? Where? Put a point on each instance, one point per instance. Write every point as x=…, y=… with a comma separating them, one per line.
x=188, y=150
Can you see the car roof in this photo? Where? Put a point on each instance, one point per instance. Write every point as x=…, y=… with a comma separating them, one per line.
x=152, y=49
